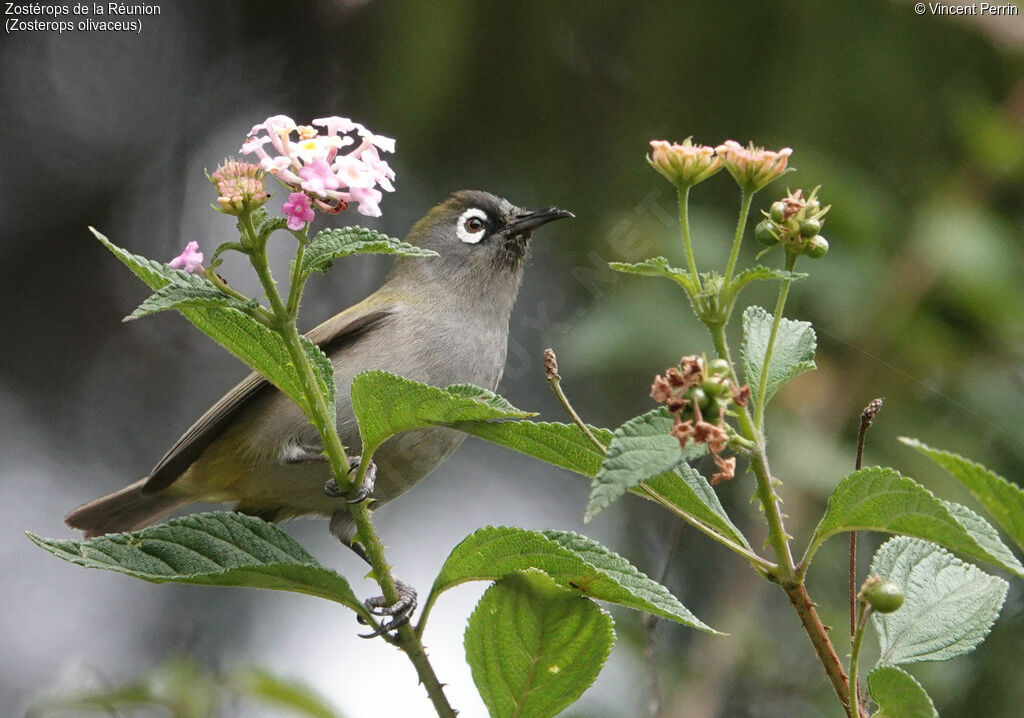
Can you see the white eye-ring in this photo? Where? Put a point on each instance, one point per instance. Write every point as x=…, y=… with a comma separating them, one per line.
x=472, y=225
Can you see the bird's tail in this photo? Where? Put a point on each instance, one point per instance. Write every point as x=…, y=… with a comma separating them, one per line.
x=124, y=510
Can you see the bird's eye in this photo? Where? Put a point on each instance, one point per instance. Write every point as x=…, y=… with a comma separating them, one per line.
x=472, y=225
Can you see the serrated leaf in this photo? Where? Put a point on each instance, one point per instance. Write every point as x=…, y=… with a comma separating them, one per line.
x=899, y=695
x=656, y=267
x=331, y=244
x=949, y=605
x=178, y=296
x=573, y=561
x=385, y=404
x=564, y=445
x=240, y=334
x=880, y=499
x=760, y=272
x=264, y=222
x=533, y=647
x=1002, y=499
x=792, y=355
x=640, y=448
x=210, y=549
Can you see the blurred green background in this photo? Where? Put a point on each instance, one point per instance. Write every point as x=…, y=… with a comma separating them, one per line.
x=913, y=125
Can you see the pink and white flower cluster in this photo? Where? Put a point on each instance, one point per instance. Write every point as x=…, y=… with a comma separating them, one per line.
x=311, y=160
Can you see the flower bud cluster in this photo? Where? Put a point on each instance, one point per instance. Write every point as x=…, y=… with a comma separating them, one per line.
x=795, y=222
x=239, y=186
x=699, y=393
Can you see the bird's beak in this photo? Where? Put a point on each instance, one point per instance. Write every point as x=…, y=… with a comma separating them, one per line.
x=529, y=221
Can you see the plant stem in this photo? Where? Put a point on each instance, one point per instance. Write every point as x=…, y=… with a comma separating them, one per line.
x=777, y=536
x=555, y=381
x=684, y=220
x=818, y=634
x=854, y=707
x=762, y=384
x=320, y=414
x=737, y=239
x=786, y=574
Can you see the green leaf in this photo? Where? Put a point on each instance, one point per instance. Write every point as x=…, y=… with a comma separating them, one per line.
x=760, y=272
x=573, y=561
x=331, y=244
x=564, y=445
x=657, y=267
x=264, y=222
x=240, y=334
x=949, y=608
x=640, y=448
x=899, y=695
x=1002, y=499
x=210, y=549
x=385, y=404
x=792, y=355
x=178, y=296
x=534, y=648
x=880, y=499
x=293, y=696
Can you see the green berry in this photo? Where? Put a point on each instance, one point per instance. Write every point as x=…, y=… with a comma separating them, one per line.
x=716, y=387
x=816, y=247
x=765, y=233
x=699, y=397
x=777, y=211
x=810, y=227
x=884, y=596
x=718, y=367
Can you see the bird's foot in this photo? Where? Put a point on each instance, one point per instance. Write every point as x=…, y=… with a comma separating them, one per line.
x=364, y=492
x=400, y=611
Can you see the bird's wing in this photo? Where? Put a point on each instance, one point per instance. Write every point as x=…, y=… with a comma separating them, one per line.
x=330, y=336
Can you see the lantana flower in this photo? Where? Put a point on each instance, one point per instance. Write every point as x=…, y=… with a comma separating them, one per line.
x=298, y=210
x=683, y=164
x=190, y=259
x=311, y=160
x=752, y=167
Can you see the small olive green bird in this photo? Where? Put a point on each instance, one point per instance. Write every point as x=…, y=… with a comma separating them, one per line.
x=440, y=321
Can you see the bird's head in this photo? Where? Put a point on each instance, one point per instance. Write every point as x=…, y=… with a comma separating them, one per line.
x=481, y=241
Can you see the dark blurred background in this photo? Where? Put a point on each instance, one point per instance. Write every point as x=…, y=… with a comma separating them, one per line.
x=913, y=125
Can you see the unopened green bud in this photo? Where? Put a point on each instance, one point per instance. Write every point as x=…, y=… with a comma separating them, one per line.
x=765, y=233
x=699, y=397
x=816, y=247
x=718, y=367
x=777, y=211
x=810, y=227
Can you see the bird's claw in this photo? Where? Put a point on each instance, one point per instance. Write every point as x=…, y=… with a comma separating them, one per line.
x=401, y=611
x=364, y=492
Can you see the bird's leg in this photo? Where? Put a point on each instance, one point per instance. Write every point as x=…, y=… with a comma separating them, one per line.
x=332, y=490
x=401, y=611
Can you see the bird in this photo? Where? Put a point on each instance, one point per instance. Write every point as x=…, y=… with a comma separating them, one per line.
x=440, y=321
